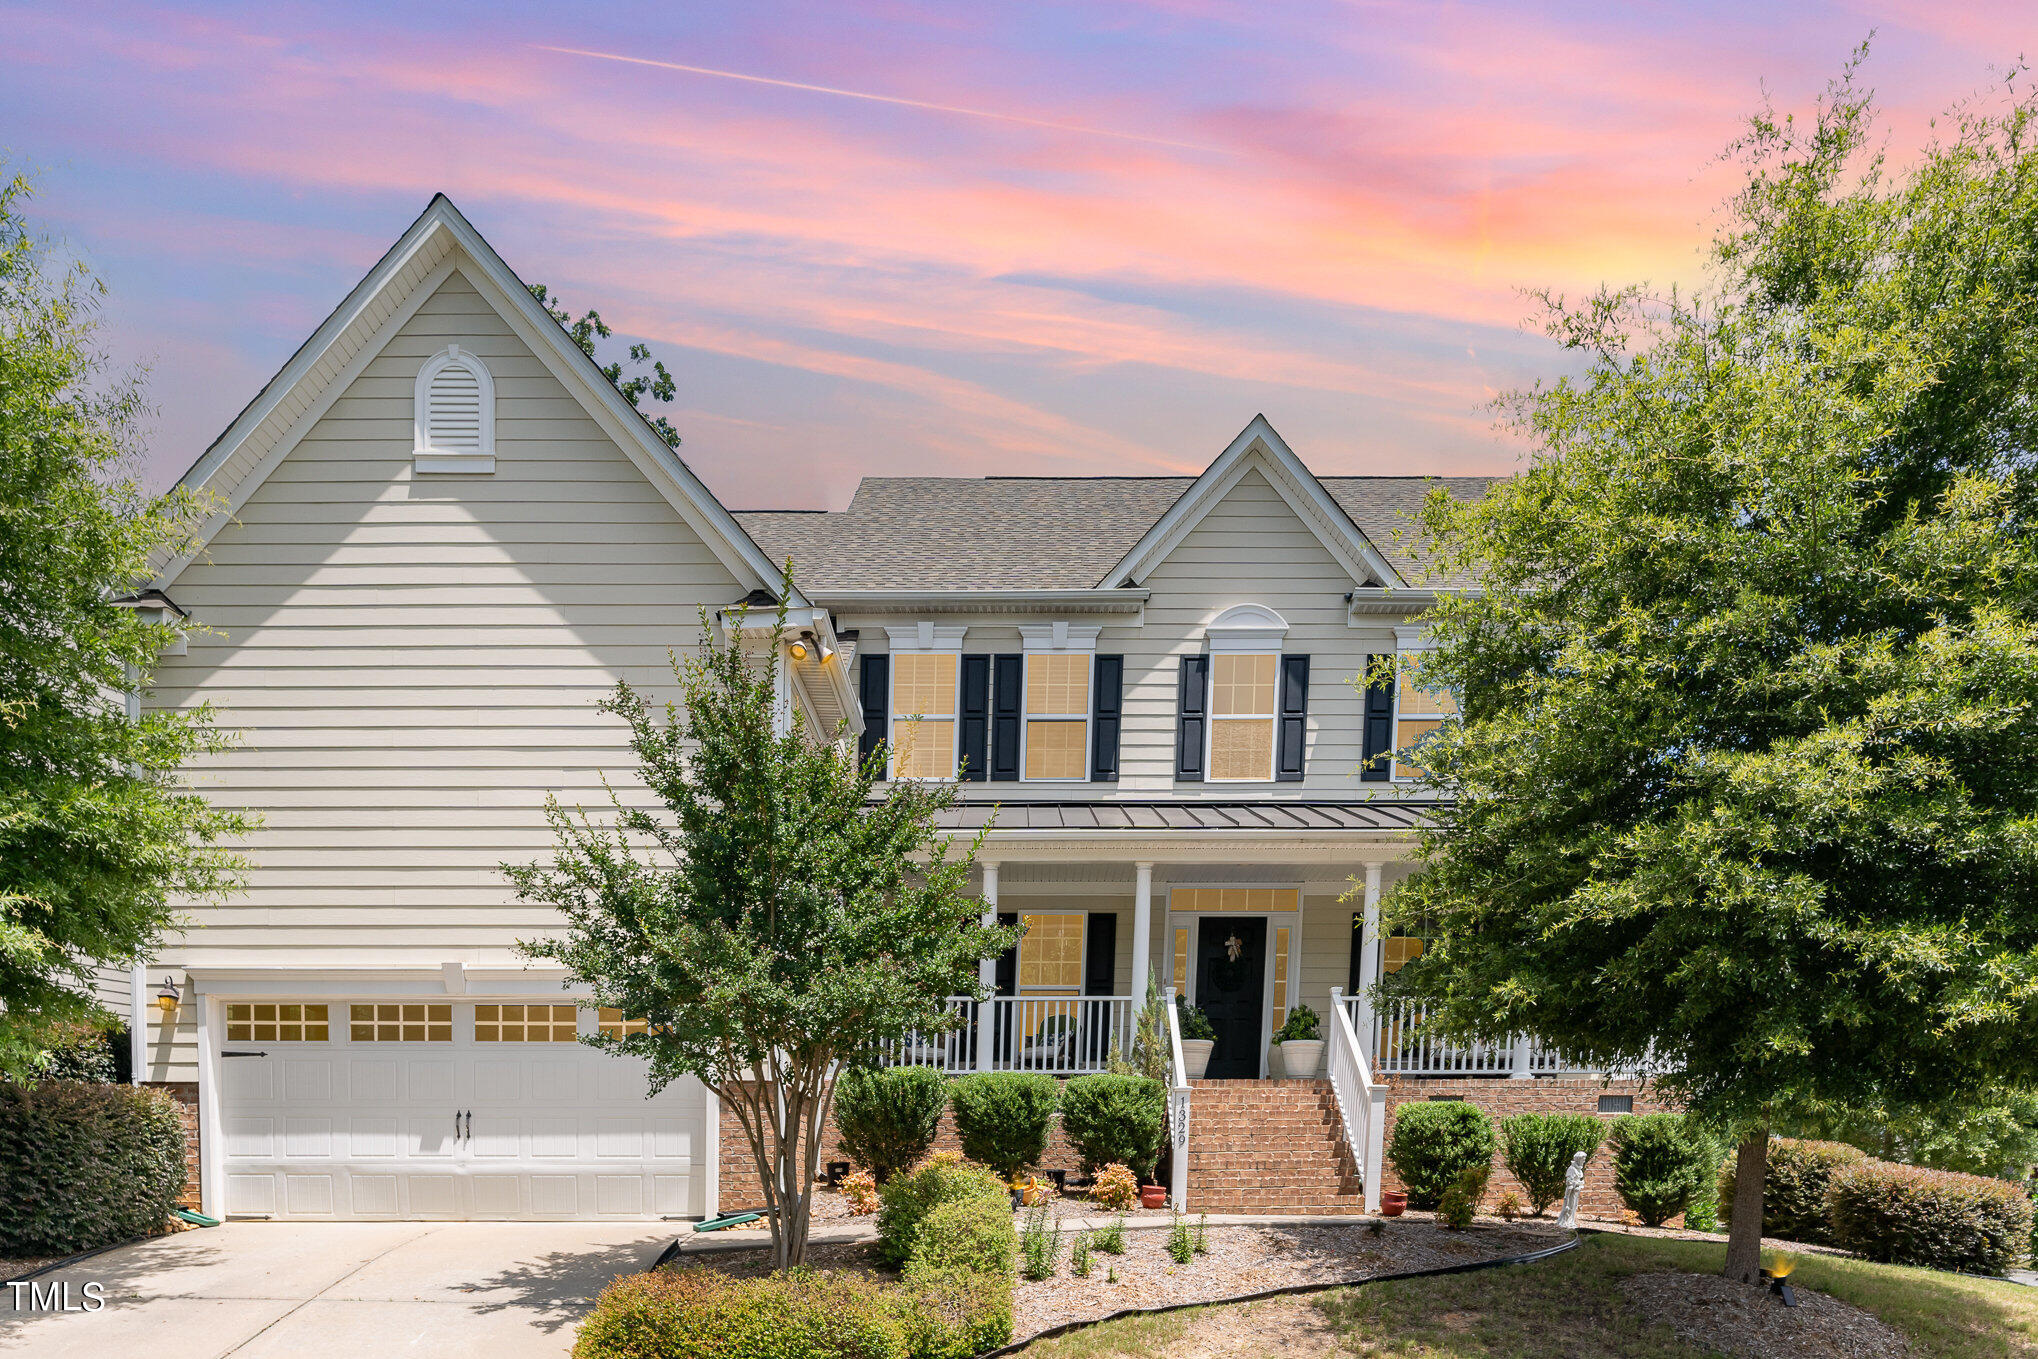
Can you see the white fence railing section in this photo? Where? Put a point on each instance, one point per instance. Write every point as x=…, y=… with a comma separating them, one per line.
x=1052, y=1035
x=1403, y=1044
x=1361, y=1101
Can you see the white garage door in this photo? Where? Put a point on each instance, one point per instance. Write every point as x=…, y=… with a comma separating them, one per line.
x=450, y=1110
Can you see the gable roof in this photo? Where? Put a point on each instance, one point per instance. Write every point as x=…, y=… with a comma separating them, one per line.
x=1075, y=533
x=440, y=242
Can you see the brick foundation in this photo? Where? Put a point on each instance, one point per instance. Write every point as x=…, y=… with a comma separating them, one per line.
x=186, y=1095
x=1501, y=1098
x=1233, y=1167
x=738, y=1168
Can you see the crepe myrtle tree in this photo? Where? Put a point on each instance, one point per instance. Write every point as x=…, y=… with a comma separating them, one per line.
x=101, y=839
x=772, y=918
x=1746, y=777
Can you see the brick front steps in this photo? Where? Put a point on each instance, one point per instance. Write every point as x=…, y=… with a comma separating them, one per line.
x=1270, y=1147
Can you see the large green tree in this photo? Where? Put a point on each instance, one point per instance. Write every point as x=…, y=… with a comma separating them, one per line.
x=773, y=920
x=1747, y=771
x=97, y=834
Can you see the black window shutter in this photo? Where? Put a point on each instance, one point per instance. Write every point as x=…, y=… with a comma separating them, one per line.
x=1192, y=710
x=1107, y=689
x=1358, y=968
x=1100, y=950
x=1379, y=738
x=1008, y=683
x=876, y=695
x=1007, y=975
x=1291, y=752
x=976, y=716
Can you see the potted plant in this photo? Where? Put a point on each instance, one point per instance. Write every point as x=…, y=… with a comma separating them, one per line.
x=1300, y=1043
x=1393, y=1202
x=1198, y=1038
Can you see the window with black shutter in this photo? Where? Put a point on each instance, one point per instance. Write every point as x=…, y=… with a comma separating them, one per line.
x=1192, y=717
x=1109, y=701
x=1379, y=734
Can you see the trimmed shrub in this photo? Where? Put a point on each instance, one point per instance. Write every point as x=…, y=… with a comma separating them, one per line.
x=797, y=1315
x=1794, y=1185
x=909, y=1198
x=1003, y=1117
x=1460, y=1203
x=1436, y=1142
x=1661, y=1162
x=1115, y=1119
x=1537, y=1150
x=951, y=1314
x=1907, y=1215
x=1195, y=1024
x=1302, y=1026
x=973, y=1235
x=887, y=1119
x=85, y=1165
x=1116, y=1187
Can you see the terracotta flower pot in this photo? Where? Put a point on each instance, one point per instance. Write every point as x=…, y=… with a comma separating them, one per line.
x=1153, y=1196
x=1393, y=1203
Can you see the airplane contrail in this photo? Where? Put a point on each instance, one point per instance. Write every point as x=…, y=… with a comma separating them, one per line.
x=880, y=98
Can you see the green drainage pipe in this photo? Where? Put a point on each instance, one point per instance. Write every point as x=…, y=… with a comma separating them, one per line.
x=716, y=1224
x=195, y=1219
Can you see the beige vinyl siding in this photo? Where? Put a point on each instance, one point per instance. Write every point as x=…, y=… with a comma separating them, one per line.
x=413, y=663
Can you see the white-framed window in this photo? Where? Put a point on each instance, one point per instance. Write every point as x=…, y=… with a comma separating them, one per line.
x=1244, y=692
x=453, y=414
x=1057, y=727
x=926, y=683
x=1050, y=969
x=400, y=1022
x=1418, y=711
x=526, y=1023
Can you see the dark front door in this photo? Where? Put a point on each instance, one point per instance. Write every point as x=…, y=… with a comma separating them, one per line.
x=1231, y=958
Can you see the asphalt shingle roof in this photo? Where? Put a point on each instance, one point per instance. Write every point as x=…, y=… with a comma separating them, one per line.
x=1035, y=533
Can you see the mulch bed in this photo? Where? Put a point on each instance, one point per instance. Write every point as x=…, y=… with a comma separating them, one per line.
x=1240, y=1261
x=1751, y=1323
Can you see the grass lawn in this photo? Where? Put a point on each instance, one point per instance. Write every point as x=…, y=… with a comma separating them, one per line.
x=1569, y=1308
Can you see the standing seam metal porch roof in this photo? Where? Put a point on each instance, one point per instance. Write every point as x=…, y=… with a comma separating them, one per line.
x=1190, y=816
x=1039, y=533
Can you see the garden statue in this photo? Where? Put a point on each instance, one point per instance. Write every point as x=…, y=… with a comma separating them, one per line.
x=1574, y=1182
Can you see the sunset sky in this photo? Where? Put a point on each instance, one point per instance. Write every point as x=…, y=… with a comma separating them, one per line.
x=944, y=238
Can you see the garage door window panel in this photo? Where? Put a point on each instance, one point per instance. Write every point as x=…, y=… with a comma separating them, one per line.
x=526, y=1023
x=277, y=1022
x=406, y=1022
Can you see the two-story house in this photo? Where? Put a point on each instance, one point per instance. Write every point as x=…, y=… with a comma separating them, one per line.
x=442, y=535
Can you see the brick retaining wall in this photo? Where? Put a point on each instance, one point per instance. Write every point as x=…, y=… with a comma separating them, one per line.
x=1502, y=1098
x=740, y=1189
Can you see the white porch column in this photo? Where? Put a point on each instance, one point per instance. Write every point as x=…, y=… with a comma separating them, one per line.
x=987, y=968
x=987, y=976
x=1523, y=1047
x=1369, y=967
x=1142, y=930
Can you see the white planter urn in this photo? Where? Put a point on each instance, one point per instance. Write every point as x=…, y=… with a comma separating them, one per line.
x=1300, y=1057
x=1196, y=1056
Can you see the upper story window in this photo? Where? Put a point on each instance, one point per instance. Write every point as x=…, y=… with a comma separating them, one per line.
x=1058, y=716
x=1059, y=660
x=1242, y=715
x=925, y=665
x=454, y=414
x=1418, y=711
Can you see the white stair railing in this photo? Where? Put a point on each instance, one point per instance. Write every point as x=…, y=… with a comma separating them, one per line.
x=1361, y=1101
x=1178, y=1111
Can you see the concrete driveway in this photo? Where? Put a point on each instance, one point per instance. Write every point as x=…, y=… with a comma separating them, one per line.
x=503, y=1290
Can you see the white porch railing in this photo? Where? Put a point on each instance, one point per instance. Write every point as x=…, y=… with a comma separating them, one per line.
x=1052, y=1035
x=1403, y=1044
x=1178, y=1111
x=1361, y=1101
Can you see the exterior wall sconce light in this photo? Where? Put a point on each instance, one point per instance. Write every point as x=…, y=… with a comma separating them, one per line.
x=167, y=996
